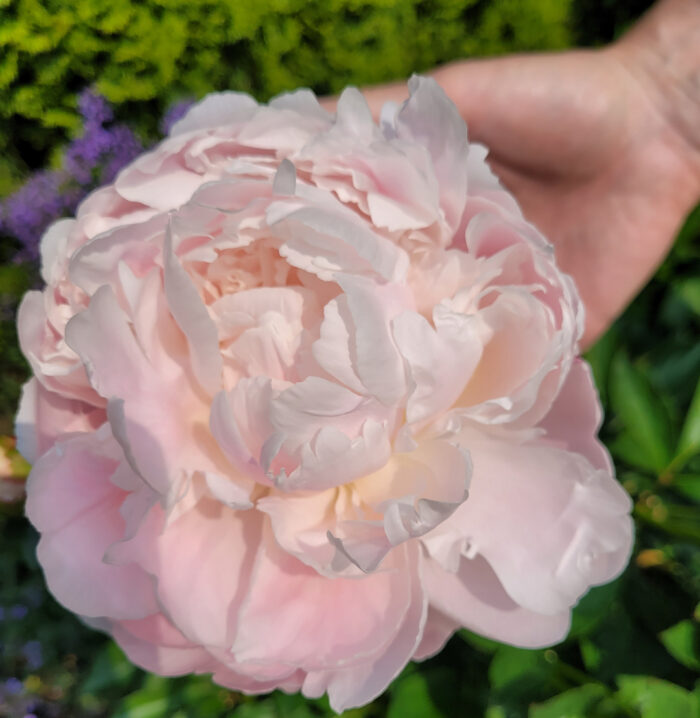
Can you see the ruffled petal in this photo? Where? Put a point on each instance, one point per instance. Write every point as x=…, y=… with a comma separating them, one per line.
x=474, y=598
x=75, y=506
x=549, y=523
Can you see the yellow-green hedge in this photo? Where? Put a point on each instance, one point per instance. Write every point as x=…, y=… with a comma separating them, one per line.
x=143, y=53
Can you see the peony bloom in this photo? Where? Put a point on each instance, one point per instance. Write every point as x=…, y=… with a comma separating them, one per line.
x=306, y=400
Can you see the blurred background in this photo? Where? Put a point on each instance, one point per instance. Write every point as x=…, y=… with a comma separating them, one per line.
x=84, y=87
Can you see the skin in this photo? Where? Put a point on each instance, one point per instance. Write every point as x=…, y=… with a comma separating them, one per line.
x=601, y=148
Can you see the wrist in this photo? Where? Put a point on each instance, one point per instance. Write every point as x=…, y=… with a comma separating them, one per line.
x=662, y=52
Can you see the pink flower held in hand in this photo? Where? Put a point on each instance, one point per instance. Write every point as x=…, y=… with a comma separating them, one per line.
x=306, y=400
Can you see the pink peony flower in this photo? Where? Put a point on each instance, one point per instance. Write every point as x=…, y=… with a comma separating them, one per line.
x=306, y=400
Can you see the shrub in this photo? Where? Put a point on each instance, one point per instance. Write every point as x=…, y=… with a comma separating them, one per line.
x=142, y=55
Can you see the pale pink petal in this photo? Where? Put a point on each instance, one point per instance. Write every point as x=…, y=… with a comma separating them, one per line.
x=325, y=243
x=239, y=422
x=430, y=119
x=136, y=245
x=410, y=495
x=575, y=417
x=192, y=317
x=358, y=685
x=155, y=645
x=215, y=548
x=334, y=349
x=44, y=417
x=377, y=361
x=54, y=249
x=300, y=522
x=474, y=598
x=564, y=527
x=287, y=599
x=438, y=630
x=215, y=110
x=53, y=362
x=331, y=458
x=441, y=360
x=72, y=502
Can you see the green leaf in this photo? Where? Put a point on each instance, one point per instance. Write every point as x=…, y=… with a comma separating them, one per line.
x=511, y=665
x=688, y=485
x=574, y=703
x=621, y=645
x=647, y=427
x=111, y=669
x=689, y=441
x=682, y=641
x=689, y=290
x=593, y=608
x=152, y=700
x=654, y=698
x=600, y=356
x=481, y=643
x=292, y=706
x=410, y=698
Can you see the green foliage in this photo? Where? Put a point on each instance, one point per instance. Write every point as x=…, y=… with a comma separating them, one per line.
x=142, y=55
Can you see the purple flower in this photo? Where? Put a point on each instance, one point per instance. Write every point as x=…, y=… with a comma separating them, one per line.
x=29, y=211
x=13, y=686
x=33, y=654
x=94, y=108
x=92, y=159
x=18, y=612
x=125, y=148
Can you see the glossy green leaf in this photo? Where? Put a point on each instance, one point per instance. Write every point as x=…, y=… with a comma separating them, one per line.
x=600, y=356
x=593, y=608
x=574, y=703
x=688, y=485
x=111, y=668
x=689, y=441
x=152, y=700
x=410, y=698
x=646, y=424
x=683, y=642
x=654, y=698
x=689, y=290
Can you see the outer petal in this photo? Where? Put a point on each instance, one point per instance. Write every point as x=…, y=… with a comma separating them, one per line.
x=44, y=417
x=215, y=547
x=152, y=409
x=215, y=110
x=575, y=417
x=549, y=524
x=359, y=685
x=475, y=599
x=72, y=502
x=156, y=645
x=429, y=118
x=438, y=630
x=293, y=615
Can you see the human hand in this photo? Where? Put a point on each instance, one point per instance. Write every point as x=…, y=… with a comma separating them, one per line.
x=600, y=148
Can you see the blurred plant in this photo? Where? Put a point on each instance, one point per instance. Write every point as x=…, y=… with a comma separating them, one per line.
x=13, y=471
